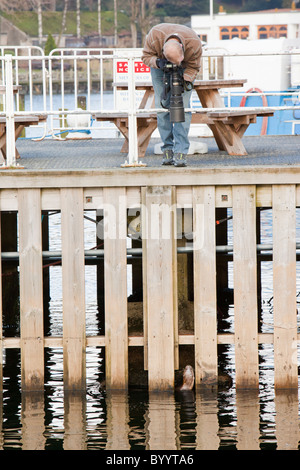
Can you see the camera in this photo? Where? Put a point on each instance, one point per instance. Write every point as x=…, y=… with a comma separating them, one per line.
x=174, y=83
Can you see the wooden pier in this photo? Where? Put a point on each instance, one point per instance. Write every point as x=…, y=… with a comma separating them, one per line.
x=158, y=193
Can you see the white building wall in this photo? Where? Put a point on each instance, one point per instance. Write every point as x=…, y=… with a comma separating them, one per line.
x=202, y=23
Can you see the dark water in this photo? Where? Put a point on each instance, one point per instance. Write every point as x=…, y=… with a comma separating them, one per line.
x=215, y=420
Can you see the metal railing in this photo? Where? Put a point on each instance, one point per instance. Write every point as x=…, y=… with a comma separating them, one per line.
x=91, y=72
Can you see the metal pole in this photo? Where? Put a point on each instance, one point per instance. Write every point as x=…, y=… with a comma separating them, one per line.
x=10, y=122
x=268, y=248
x=211, y=9
x=211, y=14
x=132, y=118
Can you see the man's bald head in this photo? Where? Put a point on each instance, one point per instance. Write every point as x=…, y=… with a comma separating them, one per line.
x=173, y=51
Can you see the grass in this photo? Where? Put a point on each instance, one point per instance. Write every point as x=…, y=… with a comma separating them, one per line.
x=27, y=22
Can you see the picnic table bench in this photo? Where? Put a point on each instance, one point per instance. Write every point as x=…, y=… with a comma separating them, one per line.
x=20, y=123
x=227, y=126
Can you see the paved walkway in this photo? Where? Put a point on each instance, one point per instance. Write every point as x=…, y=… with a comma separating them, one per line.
x=105, y=153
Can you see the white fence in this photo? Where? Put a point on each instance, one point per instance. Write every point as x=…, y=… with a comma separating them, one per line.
x=53, y=84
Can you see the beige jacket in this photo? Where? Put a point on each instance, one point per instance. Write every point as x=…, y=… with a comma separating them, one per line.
x=156, y=39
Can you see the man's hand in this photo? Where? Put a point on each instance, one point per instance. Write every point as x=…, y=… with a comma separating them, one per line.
x=161, y=63
x=188, y=85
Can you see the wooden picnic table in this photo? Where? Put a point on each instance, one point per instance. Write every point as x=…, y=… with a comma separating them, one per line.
x=16, y=89
x=20, y=123
x=228, y=126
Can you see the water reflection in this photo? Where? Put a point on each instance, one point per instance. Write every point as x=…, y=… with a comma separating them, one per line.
x=207, y=423
x=102, y=420
x=33, y=419
x=161, y=422
x=158, y=421
x=287, y=421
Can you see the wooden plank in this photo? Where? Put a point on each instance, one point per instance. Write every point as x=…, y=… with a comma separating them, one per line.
x=31, y=290
x=205, y=296
x=115, y=177
x=99, y=341
x=203, y=84
x=240, y=112
x=175, y=277
x=298, y=195
x=73, y=279
x=115, y=278
x=161, y=267
x=284, y=286
x=9, y=200
x=245, y=286
x=1, y=319
x=144, y=219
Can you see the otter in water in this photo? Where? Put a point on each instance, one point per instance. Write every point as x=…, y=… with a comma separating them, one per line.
x=188, y=378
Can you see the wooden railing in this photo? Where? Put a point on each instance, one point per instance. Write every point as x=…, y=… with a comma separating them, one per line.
x=158, y=194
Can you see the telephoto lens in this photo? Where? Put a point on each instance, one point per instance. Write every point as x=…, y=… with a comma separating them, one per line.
x=176, y=101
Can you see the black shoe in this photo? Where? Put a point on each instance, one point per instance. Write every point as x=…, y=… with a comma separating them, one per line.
x=180, y=159
x=168, y=158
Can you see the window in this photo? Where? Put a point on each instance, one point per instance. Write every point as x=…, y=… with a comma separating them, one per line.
x=231, y=32
x=272, y=31
x=203, y=37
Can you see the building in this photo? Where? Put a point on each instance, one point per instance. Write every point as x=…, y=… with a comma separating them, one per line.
x=11, y=35
x=249, y=25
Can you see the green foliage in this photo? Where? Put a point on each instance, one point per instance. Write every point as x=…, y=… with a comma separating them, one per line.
x=52, y=20
x=253, y=5
x=50, y=44
x=256, y=5
x=27, y=22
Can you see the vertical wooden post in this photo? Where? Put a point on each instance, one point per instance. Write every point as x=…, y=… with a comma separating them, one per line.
x=31, y=289
x=144, y=219
x=160, y=285
x=115, y=278
x=245, y=286
x=1, y=322
x=205, y=296
x=284, y=286
x=73, y=279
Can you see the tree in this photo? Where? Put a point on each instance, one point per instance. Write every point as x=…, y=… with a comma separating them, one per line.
x=99, y=20
x=78, y=17
x=116, y=22
x=50, y=44
x=63, y=23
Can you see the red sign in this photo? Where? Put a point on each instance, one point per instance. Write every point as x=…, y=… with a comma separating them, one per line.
x=122, y=67
x=139, y=67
